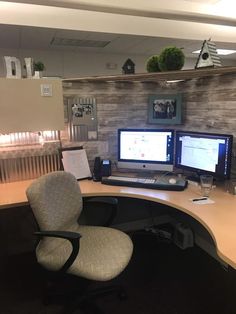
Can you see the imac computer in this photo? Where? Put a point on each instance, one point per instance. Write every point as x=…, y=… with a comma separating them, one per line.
x=204, y=153
x=146, y=149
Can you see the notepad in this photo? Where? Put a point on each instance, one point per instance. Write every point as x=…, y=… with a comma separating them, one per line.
x=76, y=162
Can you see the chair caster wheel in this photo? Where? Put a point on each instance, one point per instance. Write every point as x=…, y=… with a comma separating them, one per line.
x=47, y=300
x=122, y=295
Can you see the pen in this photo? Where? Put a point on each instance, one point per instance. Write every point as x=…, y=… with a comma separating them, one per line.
x=199, y=199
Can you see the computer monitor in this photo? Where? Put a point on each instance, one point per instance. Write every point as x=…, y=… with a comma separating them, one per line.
x=146, y=149
x=204, y=153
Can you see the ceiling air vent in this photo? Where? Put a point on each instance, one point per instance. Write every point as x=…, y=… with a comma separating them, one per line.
x=57, y=41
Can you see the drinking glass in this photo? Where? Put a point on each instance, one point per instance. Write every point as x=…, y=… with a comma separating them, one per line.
x=206, y=182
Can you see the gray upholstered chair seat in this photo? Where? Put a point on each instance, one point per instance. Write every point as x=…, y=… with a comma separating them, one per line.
x=104, y=253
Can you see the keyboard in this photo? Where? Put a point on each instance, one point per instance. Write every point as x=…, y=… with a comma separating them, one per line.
x=148, y=183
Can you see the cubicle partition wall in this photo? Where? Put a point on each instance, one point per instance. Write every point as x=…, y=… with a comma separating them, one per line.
x=103, y=106
x=28, y=155
x=31, y=116
x=208, y=104
x=17, y=169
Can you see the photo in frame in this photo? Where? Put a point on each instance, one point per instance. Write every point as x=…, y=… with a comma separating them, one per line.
x=164, y=109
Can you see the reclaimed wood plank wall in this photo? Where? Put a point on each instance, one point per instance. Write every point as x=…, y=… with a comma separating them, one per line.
x=208, y=104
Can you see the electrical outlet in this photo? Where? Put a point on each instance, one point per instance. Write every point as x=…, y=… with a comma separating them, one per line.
x=46, y=90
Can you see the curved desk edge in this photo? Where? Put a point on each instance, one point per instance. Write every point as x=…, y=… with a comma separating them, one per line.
x=219, y=218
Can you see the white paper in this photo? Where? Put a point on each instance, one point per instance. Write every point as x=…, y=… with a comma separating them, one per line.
x=76, y=162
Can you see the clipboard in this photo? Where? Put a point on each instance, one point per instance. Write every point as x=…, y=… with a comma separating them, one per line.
x=60, y=150
x=75, y=161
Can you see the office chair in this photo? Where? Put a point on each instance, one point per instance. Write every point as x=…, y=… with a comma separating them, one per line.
x=66, y=248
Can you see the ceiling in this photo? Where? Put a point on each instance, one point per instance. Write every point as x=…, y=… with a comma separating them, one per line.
x=33, y=34
x=24, y=37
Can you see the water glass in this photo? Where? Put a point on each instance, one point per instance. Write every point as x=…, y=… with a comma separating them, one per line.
x=206, y=182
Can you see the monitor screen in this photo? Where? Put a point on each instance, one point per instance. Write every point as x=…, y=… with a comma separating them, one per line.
x=204, y=153
x=146, y=149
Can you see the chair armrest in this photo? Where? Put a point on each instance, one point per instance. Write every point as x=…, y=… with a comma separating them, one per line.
x=107, y=200
x=74, y=239
x=103, y=199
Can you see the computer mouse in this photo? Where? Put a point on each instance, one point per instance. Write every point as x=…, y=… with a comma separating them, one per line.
x=172, y=181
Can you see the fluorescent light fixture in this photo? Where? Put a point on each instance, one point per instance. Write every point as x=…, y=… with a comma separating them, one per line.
x=224, y=8
x=174, y=81
x=57, y=41
x=222, y=52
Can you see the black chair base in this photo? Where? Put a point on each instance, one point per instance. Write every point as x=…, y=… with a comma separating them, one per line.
x=86, y=303
x=77, y=293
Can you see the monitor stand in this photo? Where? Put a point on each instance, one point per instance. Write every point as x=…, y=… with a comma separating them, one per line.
x=145, y=174
x=154, y=174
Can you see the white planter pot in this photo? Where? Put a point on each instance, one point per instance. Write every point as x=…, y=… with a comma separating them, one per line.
x=38, y=74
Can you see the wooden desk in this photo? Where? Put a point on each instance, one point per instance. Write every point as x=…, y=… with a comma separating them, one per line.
x=218, y=218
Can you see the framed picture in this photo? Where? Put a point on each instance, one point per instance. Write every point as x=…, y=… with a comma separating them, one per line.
x=164, y=109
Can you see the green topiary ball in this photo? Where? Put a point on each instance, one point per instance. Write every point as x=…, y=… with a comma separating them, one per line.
x=152, y=64
x=171, y=58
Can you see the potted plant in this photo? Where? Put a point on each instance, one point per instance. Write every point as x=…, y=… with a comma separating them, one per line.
x=38, y=69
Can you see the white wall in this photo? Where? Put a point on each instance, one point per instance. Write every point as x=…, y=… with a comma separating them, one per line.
x=68, y=64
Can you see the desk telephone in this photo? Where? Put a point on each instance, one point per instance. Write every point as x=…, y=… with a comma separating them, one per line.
x=102, y=168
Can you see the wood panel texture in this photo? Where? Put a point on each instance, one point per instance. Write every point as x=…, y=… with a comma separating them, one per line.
x=208, y=104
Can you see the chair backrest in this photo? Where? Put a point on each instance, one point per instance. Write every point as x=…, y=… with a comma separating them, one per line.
x=56, y=201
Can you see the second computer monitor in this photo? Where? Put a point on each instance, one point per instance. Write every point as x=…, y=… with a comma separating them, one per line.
x=204, y=153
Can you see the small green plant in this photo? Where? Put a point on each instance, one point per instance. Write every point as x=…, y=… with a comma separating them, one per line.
x=152, y=64
x=39, y=66
x=171, y=58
